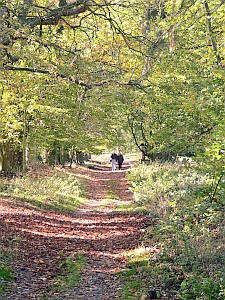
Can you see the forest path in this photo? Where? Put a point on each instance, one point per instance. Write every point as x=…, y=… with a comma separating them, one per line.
x=96, y=230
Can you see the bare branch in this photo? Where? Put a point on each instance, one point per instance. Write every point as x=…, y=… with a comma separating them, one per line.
x=74, y=80
x=55, y=74
x=64, y=11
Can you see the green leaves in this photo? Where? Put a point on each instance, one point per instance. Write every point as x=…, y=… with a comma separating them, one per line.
x=88, y=75
x=71, y=269
x=188, y=234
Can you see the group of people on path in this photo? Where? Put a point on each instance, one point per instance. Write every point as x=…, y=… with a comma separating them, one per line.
x=117, y=158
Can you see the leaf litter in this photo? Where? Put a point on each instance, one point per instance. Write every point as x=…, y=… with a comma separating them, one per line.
x=41, y=240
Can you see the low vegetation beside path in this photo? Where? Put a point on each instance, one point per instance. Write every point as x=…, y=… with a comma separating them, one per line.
x=185, y=259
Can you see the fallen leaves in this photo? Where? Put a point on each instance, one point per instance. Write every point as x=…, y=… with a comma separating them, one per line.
x=40, y=240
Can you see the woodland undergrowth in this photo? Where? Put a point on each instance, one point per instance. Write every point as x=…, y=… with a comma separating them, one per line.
x=184, y=258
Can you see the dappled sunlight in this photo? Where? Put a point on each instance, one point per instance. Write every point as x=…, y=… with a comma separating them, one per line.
x=83, y=226
x=59, y=225
x=44, y=238
x=142, y=253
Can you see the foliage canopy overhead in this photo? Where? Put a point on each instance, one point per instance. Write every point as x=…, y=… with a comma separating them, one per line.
x=155, y=67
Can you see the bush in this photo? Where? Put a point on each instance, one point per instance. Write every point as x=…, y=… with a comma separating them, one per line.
x=187, y=241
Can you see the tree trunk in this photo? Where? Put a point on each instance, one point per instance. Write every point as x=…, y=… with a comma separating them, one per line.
x=10, y=159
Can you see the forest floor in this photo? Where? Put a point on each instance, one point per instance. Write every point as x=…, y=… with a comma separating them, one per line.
x=41, y=239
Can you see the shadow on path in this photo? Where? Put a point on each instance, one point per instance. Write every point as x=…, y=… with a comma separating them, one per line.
x=43, y=239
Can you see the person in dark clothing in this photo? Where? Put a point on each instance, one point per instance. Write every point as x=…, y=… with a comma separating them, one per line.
x=120, y=159
x=113, y=160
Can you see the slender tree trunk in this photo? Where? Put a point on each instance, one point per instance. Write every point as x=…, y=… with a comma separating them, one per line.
x=24, y=143
x=210, y=31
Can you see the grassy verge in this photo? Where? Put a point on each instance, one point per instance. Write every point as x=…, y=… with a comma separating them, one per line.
x=182, y=256
x=51, y=190
x=71, y=270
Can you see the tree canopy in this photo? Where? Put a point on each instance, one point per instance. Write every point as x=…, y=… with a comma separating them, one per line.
x=92, y=75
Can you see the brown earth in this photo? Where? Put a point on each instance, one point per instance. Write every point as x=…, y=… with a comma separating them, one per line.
x=42, y=239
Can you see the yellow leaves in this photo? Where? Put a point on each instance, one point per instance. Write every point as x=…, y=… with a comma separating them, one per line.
x=38, y=260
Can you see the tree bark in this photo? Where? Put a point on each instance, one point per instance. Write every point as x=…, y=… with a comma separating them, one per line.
x=210, y=31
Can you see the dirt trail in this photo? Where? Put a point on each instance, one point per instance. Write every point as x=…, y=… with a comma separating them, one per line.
x=96, y=230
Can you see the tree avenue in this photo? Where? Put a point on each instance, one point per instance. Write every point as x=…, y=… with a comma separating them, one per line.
x=86, y=76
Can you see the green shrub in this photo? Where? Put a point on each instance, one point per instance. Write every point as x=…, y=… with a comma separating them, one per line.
x=188, y=242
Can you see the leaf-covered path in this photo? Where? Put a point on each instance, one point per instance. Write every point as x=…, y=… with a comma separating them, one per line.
x=97, y=230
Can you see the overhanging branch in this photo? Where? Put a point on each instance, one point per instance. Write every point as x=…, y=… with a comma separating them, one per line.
x=55, y=74
x=67, y=10
x=74, y=80
x=63, y=76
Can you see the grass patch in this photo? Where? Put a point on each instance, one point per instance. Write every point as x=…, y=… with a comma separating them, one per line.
x=5, y=277
x=126, y=208
x=54, y=191
x=130, y=208
x=6, y=274
x=110, y=199
x=71, y=270
x=112, y=182
x=8, y=252
x=111, y=196
x=133, y=285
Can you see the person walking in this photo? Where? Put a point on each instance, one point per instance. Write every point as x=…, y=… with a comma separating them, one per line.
x=113, y=160
x=120, y=159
